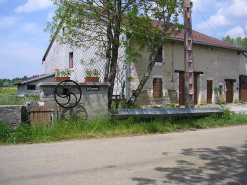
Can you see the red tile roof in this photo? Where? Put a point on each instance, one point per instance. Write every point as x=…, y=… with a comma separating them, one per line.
x=201, y=38
x=32, y=78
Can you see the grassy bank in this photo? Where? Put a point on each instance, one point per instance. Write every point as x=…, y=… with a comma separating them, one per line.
x=8, y=97
x=83, y=129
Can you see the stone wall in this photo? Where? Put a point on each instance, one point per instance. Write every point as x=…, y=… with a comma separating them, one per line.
x=12, y=114
x=212, y=63
x=93, y=104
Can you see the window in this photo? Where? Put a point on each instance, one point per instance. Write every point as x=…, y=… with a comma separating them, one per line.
x=63, y=31
x=158, y=57
x=31, y=87
x=157, y=87
x=71, y=60
x=221, y=89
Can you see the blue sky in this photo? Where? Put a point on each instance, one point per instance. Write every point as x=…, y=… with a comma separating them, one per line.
x=23, y=41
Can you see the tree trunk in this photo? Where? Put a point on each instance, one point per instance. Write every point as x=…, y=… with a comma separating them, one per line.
x=143, y=81
x=114, y=59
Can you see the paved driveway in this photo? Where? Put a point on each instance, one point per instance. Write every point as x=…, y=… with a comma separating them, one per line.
x=209, y=156
x=238, y=108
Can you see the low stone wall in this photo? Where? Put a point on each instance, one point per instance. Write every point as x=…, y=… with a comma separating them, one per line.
x=93, y=103
x=12, y=114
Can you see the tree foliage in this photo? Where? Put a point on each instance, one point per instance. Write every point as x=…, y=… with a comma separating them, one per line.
x=101, y=23
x=9, y=83
x=149, y=30
x=239, y=41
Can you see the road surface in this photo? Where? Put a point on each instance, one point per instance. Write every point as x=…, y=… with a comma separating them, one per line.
x=209, y=156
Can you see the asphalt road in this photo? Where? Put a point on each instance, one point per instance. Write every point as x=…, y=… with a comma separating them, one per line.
x=210, y=156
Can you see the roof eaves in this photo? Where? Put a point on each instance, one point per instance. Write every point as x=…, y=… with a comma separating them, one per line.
x=47, y=51
x=34, y=79
x=39, y=78
x=208, y=44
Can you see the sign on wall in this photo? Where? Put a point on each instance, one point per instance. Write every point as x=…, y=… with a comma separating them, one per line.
x=92, y=88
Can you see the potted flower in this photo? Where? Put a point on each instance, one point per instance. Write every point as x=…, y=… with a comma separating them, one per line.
x=62, y=74
x=92, y=75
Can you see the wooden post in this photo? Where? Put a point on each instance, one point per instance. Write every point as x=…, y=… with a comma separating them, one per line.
x=188, y=57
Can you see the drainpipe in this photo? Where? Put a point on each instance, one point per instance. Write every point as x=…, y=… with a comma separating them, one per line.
x=127, y=72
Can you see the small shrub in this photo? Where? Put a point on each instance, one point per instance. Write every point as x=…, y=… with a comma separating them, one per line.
x=5, y=132
x=226, y=114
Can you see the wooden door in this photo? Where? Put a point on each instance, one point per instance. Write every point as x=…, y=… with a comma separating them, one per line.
x=229, y=91
x=181, y=88
x=157, y=87
x=40, y=115
x=243, y=88
x=209, y=91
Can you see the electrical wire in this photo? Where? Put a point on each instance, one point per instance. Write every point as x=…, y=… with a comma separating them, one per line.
x=205, y=19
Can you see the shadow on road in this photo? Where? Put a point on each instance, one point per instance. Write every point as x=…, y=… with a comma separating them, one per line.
x=224, y=165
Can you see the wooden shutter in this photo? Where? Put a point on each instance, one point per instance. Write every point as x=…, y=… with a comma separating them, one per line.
x=158, y=57
x=157, y=87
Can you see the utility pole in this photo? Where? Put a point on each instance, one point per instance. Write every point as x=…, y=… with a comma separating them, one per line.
x=188, y=57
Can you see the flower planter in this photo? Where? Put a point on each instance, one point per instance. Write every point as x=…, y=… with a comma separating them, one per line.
x=91, y=79
x=59, y=78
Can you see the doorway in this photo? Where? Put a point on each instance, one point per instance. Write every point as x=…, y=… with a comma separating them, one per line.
x=229, y=91
x=209, y=91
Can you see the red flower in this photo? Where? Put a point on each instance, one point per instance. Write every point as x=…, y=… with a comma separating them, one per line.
x=57, y=69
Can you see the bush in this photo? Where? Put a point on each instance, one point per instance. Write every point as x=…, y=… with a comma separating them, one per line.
x=5, y=132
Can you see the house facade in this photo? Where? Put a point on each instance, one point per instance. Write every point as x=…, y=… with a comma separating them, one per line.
x=62, y=56
x=217, y=69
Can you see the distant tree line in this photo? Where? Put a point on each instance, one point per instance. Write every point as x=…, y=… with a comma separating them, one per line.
x=10, y=83
x=239, y=41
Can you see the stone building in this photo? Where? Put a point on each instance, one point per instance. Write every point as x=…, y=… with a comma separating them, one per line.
x=217, y=69
x=218, y=66
x=32, y=85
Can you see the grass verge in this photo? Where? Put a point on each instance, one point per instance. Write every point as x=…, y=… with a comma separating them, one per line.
x=75, y=128
x=8, y=97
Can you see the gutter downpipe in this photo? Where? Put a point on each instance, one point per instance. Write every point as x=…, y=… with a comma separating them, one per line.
x=127, y=72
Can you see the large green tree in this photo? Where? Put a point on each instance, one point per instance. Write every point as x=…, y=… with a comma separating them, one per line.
x=149, y=31
x=101, y=22
x=93, y=23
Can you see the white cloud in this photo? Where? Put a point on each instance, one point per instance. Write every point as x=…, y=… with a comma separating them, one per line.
x=9, y=21
x=229, y=16
x=234, y=32
x=215, y=21
x=34, y=5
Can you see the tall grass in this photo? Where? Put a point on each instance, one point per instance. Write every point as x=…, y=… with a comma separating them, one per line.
x=75, y=128
x=8, y=97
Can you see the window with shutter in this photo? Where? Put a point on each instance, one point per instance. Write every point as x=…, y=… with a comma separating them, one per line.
x=71, y=60
x=157, y=87
x=158, y=57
